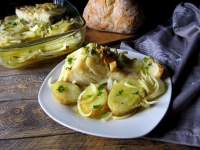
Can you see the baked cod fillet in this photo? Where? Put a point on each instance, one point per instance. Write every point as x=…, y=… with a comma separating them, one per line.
x=47, y=12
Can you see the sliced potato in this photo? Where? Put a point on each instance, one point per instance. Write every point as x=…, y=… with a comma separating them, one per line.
x=123, y=99
x=93, y=101
x=65, y=92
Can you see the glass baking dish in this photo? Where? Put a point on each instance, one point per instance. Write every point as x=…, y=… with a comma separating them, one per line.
x=27, y=53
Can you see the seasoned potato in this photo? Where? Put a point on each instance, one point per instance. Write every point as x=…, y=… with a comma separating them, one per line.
x=65, y=92
x=93, y=101
x=123, y=99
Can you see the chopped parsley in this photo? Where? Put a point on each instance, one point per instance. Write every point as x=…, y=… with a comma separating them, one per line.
x=137, y=93
x=88, y=96
x=97, y=106
x=61, y=88
x=99, y=93
x=146, y=59
x=70, y=60
x=93, y=51
x=120, y=92
x=12, y=23
x=16, y=57
x=68, y=68
x=100, y=88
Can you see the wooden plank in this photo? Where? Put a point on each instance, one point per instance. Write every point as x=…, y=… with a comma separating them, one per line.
x=21, y=86
x=12, y=72
x=105, y=37
x=18, y=84
x=79, y=141
x=19, y=119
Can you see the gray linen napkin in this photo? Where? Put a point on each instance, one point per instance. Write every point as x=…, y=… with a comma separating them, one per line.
x=178, y=47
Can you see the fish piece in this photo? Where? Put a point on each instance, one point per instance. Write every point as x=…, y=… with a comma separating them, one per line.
x=47, y=12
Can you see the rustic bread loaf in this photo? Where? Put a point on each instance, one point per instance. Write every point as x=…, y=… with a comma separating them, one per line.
x=121, y=16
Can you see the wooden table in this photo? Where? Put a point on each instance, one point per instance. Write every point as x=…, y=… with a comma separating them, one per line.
x=24, y=125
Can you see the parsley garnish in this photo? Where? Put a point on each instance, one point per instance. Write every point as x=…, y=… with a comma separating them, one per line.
x=93, y=51
x=70, y=60
x=100, y=88
x=146, y=59
x=88, y=96
x=69, y=68
x=14, y=24
x=61, y=88
x=137, y=93
x=99, y=93
x=97, y=106
x=120, y=92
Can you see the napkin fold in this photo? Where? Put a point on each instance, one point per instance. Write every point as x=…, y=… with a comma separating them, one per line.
x=177, y=46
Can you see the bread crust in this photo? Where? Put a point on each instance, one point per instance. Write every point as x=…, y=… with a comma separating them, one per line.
x=121, y=16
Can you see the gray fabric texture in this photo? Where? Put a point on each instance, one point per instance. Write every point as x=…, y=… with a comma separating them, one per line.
x=177, y=46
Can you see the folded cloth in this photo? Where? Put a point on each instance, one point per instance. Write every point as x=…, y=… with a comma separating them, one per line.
x=178, y=47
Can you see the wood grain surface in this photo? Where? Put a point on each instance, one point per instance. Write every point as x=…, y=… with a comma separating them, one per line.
x=24, y=126
x=105, y=37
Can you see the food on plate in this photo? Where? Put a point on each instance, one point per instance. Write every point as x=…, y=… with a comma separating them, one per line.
x=47, y=12
x=65, y=92
x=123, y=99
x=93, y=101
x=121, y=16
x=111, y=84
x=85, y=66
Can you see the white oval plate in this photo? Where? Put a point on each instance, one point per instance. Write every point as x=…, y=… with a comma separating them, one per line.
x=136, y=126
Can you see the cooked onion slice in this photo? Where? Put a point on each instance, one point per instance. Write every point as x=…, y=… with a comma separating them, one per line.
x=92, y=101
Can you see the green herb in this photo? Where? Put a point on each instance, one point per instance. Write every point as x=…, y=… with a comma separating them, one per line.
x=16, y=57
x=93, y=51
x=101, y=87
x=120, y=92
x=70, y=60
x=88, y=96
x=99, y=93
x=14, y=24
x=97, y=106
x=137, y=93
x=61, y=89
x=68, y=68
x=146, y=59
